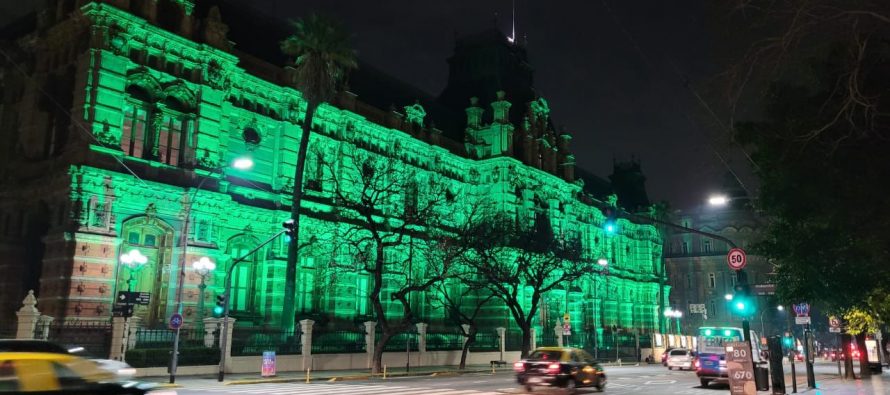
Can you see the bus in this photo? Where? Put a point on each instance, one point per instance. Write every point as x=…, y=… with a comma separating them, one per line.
x=711, y=352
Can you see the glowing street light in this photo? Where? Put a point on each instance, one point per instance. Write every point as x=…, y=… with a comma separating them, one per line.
x=204, y=267
x=602, y=262
x=728, y=296
x=718, y=200
x=242, y=163
x=133, y=260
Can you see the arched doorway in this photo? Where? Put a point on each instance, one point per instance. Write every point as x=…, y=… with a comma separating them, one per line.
x=153, y=238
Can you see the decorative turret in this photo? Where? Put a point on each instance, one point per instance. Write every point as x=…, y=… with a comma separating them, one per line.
x=496, y=139
x=214, y=31
x=501, y=109
x=474, y=114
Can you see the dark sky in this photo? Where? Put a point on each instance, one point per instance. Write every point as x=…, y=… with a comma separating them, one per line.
x=612, y=70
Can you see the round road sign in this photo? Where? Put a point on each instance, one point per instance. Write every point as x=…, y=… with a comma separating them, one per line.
x=736, y=259
x=175, y=321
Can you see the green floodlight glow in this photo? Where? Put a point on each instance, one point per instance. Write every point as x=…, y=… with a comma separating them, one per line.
x=610, y=227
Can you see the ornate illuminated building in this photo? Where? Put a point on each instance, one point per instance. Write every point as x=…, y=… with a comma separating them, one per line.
x=114, y=112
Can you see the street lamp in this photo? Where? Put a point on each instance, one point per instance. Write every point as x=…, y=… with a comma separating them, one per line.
x=203, y=267
x=670, y=313
x=133, y=260
x=718, y=200
x=728, y=296
x=240, y=163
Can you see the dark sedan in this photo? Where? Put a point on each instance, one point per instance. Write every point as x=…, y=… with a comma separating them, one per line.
x=563, y=367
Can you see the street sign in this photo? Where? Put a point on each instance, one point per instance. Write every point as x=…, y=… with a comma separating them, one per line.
x=122, y=310
x=698, y=308
x=736, y=259
x=765, y=289
x=802, y=320
x=740, y=365
x=802, y=309
x=565, y=317
x=567, y=329
x=175, y=321
x=834, y=324
x=132, y=297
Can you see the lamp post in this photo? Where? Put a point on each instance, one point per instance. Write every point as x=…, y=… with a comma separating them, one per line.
x=133, y=260
x=241, y=163
x=670, y=313
x=203, y=267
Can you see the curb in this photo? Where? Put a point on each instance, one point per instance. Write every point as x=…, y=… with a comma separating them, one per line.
x=167, y=386
x=441, y=373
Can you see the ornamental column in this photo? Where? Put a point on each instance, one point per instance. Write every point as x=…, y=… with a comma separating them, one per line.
x=502, y=341
x=306, y=339
x=27, y=317
x=421, y=341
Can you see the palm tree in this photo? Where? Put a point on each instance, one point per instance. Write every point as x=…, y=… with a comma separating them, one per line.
x=322, y=56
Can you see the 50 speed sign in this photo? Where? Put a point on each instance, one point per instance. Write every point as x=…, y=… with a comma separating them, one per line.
x=736, y=259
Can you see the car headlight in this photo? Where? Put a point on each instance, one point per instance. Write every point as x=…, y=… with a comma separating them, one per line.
x=126, y=372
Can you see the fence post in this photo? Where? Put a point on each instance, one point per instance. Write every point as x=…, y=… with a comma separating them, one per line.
x=228, y=357
x=533, y=343
x=370, y=332
x=557, y=330
x=306, y=338
x=119, y=337
x=27, y=317
x=502, y=341
x=133, y=324
x=211, y=325
x=421, y=342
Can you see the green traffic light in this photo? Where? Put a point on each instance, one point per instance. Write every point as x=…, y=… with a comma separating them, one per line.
x=218, y=311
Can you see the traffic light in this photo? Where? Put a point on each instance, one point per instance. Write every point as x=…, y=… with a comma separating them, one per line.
x=220, y=307
x=288, y=230
x=788, y=341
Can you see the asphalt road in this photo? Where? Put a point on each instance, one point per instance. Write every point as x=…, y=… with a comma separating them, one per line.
x=622, y=380
x=653, y=379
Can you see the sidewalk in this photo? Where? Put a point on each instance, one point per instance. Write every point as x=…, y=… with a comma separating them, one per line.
x=324, y=375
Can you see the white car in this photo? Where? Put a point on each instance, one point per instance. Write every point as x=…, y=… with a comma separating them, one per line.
x=681, y=358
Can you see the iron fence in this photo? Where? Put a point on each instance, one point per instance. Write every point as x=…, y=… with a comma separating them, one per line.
x=400, y=342
x=444, y=341
x=335, y=342
x=254, y=340
x=162, y=338
x=486, y=341
x=93, y=336
x=513, y=341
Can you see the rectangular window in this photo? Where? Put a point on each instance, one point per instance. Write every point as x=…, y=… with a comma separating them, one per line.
x=685, y=248
x=134, y=130
x=150, y=241
x=361, y=295
x=168, y=147
x=712, y=280
x=689, y=280
x=706, y=246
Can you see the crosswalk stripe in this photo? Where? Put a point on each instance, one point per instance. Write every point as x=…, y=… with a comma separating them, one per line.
x=339, y=389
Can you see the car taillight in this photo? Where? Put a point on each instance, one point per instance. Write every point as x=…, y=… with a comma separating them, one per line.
x=519, y=366
x=553, y=368
x=697, y=364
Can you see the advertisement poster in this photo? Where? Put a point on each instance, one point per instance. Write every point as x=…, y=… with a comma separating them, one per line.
x=741, y=369
x=268, y=363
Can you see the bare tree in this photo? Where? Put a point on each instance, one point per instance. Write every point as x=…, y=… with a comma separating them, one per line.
x=462, y=303
x=395, y=227
x=511, y=258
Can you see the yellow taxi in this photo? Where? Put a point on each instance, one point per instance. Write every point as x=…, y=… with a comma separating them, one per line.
x=58, y=373
x=565, y=367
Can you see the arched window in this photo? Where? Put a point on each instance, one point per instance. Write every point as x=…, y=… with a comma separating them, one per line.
x=243, y=277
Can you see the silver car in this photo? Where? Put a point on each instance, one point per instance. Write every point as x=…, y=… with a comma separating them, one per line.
x=681, y=358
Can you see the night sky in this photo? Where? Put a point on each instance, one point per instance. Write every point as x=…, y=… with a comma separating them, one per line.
x=613, y=71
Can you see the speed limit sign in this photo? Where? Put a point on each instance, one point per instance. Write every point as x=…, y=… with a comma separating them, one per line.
x=736, y=259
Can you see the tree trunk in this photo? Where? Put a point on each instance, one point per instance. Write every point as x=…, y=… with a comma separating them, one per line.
x=846, y=341
x=471, y=338
x=290, y=277
x=864, y=371
x=377, y=364
x=526, y=340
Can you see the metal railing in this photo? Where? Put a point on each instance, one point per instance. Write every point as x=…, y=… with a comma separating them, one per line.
x=93, y=336
x=444, y=341
x=336, y=342
x=255, y=340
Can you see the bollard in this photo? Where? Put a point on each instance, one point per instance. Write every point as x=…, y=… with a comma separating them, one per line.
x=307, y=375
x=384, y=372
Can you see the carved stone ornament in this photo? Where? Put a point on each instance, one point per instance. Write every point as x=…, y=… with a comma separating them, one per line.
x=216, y=76
x=30, y=303
x=540, y=108
x=415, y=114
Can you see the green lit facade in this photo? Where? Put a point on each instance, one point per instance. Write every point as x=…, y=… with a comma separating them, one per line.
x=159, y=93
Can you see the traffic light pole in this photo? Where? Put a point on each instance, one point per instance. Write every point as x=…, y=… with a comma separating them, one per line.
x=224, y=331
